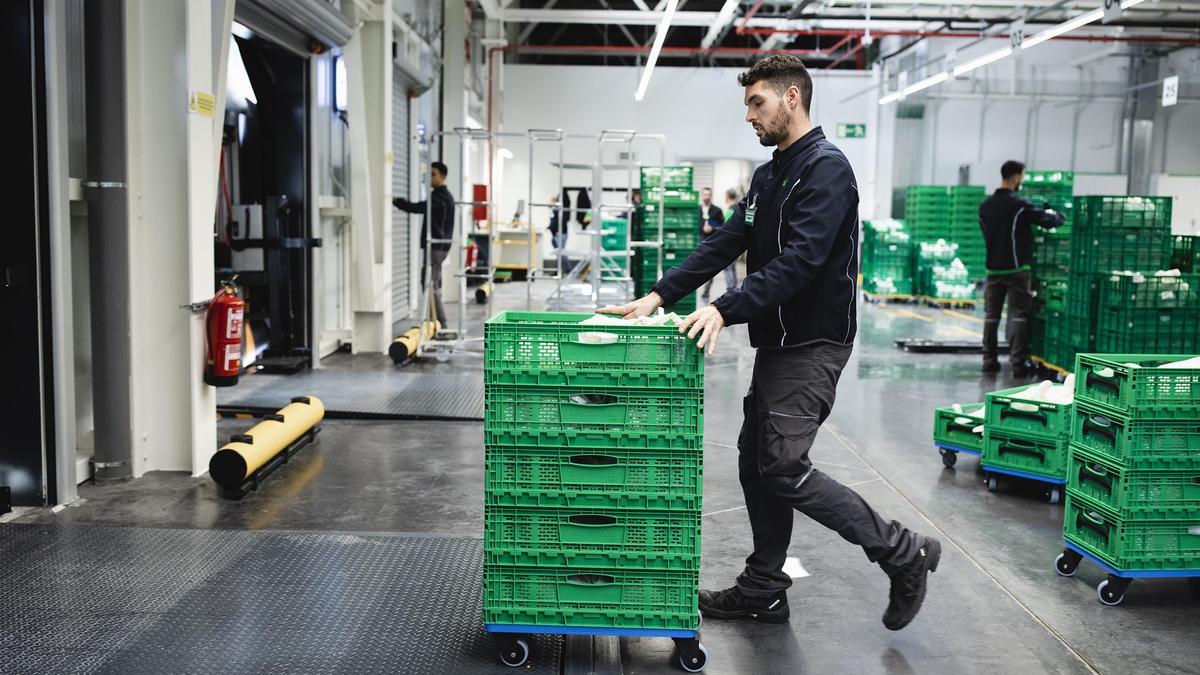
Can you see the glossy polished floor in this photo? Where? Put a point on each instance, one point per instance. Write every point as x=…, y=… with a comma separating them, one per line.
x=995, y=604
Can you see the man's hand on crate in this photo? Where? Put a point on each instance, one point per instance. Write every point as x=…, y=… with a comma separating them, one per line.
x=706, y=322
x=644, y=306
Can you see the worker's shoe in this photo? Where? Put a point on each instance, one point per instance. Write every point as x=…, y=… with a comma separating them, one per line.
x=732, y=604
x=908, y=585
x=1020, y=372
x=991, y=366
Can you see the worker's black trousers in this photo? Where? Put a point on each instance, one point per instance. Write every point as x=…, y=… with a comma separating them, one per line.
x=1020, y=301
x=790, y=396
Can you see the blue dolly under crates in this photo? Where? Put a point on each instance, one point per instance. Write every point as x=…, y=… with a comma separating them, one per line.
x=951, y=452
x=514, y=651
x=1112, y=590
x=1056, y=491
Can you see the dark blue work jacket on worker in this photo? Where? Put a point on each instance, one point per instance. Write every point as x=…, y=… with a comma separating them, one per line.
x=441, y=211
x=799, y=226
x=1005, y=219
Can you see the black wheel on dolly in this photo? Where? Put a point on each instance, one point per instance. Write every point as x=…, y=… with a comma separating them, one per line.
x=514, y=652
x=1067, y=562
x=692, y=654
x=949, y=458
x=1055, y=495
x=1112, y=590
x=992, y=483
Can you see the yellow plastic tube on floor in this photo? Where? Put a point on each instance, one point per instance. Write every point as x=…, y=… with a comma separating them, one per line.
x=248, y=452
x=405, y=346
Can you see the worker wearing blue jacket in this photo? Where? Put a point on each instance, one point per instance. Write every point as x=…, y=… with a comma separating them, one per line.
x=799, y=226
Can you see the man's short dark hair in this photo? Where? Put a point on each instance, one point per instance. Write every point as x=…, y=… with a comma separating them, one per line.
x=1011, y=168
x=440, y=168
x=781, y=71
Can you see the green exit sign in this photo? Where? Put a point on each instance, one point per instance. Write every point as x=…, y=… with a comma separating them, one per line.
x=851, y=130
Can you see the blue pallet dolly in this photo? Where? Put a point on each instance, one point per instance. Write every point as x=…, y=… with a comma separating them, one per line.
x=514, y=651
x=950, y=453
x=1056, y=492
x=1112, y=590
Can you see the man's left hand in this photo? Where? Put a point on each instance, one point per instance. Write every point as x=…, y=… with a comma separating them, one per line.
x=706, y=322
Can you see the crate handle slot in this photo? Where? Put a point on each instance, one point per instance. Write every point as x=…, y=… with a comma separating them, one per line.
x=1093, y=522
x=1096, y=474
x=594, y=399
x=1093, y=378
x=1019, y=448
x=591, y=580
x=960, y=426
x=1028, y=414
x=593, y=460
x=1100, y=425
x=592, y=520
x=595, y=338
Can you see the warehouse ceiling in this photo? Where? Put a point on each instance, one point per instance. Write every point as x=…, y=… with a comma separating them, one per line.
x=825, y=33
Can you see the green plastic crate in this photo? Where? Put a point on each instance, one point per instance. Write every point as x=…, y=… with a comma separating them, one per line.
x=679, y=176
x=612, y=479
x=1137, y=443
x=615, y=538
x=1135, y=494
x=1010, y=415
x=1028, y=454
x=1121, y=211
x=595, y=409
x=594, y=440
x=955, y=428
x=1106, y=383
x=545, y=349
x=674, y=197
x=1131, y=545
x=591, y=598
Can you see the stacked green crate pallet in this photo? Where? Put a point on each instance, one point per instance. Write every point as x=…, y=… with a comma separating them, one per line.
x=1053, y=188
x=1110, y=233
x=1185, y=253
x=1156, y=314
x=594, y=448
x=1027, y=437
x=964, y=228
x=887, y=267
x=927, y=212
x=940, y=275
x=613, y=241
x=681, y=228
x=1132, y=497
x=1052, y=255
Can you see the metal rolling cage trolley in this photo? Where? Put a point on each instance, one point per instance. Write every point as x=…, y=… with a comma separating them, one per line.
x=582, y=287
x=541, y=137
x=593, y=482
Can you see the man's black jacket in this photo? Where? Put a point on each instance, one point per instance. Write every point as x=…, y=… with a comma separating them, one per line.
x=442, y=212
x=799, y=224
x=1006, y=219
x=710, y=215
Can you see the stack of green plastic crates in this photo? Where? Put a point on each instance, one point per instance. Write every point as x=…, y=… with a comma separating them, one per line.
x=927, y=212
x=681, y=227
x=887, y=267
x=1055, y=188
x=1185, y=253
x=1026, y=438
x=1133, y=499
x=1110, y=233
x=940, y=275
x=594, y=448
x=613, y=235
x=965, y=230
x=1156, y=314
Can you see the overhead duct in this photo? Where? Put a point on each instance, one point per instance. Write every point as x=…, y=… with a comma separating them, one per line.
x=294, y=24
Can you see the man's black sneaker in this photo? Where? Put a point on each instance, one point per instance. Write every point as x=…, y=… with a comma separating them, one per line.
x=731, y=604
x=908, y=585
x=991, y=366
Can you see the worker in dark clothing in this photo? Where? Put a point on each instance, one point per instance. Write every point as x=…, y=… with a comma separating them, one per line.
x=1006, y=220
x=711, y=217
x=799, y=225
x=440, y=229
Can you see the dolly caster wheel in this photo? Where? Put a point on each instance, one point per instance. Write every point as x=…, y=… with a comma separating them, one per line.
x=949, y=458
x=1067, y=563
x=1055, y=495
x=992, y=483
x=514, y=652
x=1112, y=590
x=692, y=654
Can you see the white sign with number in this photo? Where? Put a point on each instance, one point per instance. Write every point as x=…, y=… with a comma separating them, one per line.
x=1170, y=91
x=1112, y=11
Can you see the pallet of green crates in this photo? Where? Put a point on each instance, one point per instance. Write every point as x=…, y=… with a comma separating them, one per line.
x=1133, y=499
x=667, y=176
x=954, y=431
x=1150, y=313
x=1027, y=439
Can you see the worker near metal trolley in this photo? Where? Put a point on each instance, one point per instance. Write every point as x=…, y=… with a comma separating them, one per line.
x=1006, y=219
x=799, y=225
x=711, y=217
x=440, y=227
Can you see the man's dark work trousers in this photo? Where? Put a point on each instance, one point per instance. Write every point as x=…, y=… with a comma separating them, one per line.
x=790, y=395
x=1020, y=299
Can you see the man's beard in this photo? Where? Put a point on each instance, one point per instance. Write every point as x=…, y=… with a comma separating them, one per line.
x=776, y=131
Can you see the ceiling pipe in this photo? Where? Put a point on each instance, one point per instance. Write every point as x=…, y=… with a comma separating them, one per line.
x=1148, y=39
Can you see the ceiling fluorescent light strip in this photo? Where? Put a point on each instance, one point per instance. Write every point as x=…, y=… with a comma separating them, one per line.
x=1064, y=27
x=981, y=61
x=659, y=37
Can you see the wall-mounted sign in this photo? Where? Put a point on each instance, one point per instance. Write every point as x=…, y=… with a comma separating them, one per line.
x=845, y=130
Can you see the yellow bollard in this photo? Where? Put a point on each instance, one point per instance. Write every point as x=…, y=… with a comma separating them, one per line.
x=482, y=292
x=404, y=347
x=245, y=454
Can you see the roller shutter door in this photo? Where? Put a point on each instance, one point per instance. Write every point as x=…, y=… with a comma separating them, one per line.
x=400, y=220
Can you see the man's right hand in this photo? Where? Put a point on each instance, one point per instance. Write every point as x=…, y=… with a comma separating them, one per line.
x=644, y=306
x=708, y=229
x=399, y=202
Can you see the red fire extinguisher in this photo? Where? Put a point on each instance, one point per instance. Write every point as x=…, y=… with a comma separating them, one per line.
x=224, y=321
x=472, y=255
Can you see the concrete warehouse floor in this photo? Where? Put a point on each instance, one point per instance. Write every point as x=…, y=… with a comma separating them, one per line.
x=995, y=604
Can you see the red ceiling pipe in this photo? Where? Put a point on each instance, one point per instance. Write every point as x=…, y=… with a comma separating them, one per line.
x=749, y=15
x=1158, y=39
